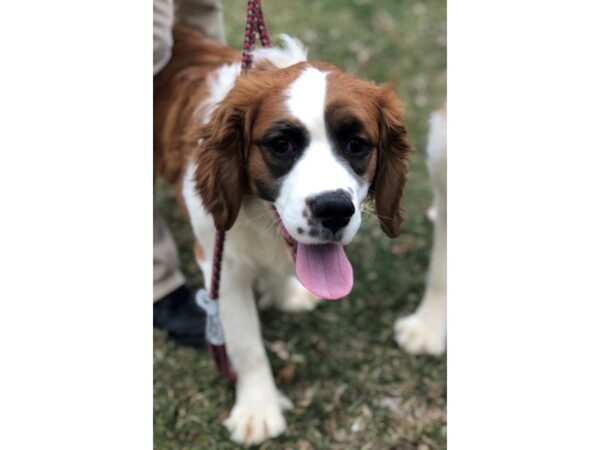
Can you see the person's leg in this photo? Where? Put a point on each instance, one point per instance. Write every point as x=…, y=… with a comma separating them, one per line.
x=163, y=37
x=175, y=308
x=167, y=276
x=203, y=15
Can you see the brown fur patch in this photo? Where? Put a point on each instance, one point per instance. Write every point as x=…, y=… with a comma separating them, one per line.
x=178, y=89
x=392, y=163
x=229, y=160
x=381, y=115
x=198, y=252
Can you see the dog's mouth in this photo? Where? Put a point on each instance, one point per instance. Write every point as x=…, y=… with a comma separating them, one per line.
x=323, y=269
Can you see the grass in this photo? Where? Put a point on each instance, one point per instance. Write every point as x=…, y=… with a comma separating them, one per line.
x=352, y=387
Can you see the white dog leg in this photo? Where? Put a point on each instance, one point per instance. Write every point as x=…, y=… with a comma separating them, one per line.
x=287, y=294
x=257, y=414
x=425, y=330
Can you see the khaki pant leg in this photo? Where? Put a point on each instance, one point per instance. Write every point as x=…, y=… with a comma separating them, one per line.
x=207, y=16
x=163, y=36
x=203, y=15
x=167, y=276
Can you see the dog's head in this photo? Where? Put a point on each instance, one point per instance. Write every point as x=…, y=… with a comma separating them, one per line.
x=314, y=142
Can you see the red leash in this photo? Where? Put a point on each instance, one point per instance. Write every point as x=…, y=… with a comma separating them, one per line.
x=255, y=23
x=215, y=338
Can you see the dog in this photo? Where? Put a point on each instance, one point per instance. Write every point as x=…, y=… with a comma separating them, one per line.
x=425, y=330
x=285, y=154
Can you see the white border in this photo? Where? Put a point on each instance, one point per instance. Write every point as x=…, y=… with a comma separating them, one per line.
x=75, y=190
x=523, y=225
x=75, y=245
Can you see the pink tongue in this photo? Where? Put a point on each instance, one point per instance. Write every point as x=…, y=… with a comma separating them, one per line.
x=324, y=270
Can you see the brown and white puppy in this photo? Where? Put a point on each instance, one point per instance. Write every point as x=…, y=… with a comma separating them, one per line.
x=292, y=149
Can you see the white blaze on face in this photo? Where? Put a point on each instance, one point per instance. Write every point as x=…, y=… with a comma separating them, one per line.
x=318, y=170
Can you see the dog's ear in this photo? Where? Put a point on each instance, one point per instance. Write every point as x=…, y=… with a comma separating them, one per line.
x=220, y=159
x=392, y=163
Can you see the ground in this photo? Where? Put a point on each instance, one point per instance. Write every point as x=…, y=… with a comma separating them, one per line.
x=351, y=385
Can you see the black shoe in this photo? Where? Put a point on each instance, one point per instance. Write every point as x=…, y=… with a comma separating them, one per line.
x=180, y=316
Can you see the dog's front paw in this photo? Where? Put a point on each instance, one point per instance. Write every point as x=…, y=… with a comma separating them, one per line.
x=296, y=298
x=252, y=422
x=420, y=334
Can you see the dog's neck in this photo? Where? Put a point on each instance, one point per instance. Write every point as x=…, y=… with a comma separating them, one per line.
x=257, y=214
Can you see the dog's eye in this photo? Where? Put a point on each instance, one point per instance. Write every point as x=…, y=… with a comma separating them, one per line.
x=357, y=147
x=283, y=146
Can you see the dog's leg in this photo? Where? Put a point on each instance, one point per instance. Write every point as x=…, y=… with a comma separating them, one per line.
x=258, y=411
x=425, y=330
x=285, y=292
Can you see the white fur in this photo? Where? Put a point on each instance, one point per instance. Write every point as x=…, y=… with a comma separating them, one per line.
x=425, y=330
x=292, y=52
x=220, y=82
x=318, y=170
x=306, y=101
x=287, y=295
x=259, y=406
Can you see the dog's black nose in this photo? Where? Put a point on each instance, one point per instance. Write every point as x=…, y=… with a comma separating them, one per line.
x=333, y=209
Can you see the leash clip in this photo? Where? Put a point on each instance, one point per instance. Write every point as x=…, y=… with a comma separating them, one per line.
x=214, y=329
